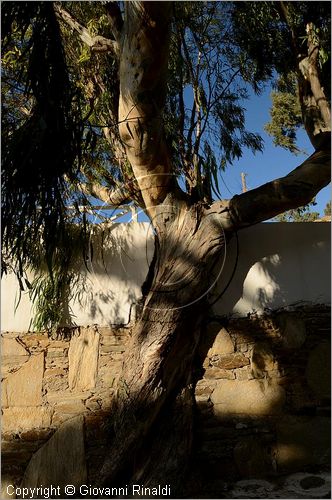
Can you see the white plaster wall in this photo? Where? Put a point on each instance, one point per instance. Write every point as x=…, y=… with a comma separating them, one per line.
x=105, y=294
x=279, y=264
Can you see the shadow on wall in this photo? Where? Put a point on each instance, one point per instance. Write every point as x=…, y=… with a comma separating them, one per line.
x=256, y=401
x=118, y=264
x=107, y=287
x=278, y=264
x=263, y=404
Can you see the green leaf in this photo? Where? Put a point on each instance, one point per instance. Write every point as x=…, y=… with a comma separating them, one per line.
x=323, y=56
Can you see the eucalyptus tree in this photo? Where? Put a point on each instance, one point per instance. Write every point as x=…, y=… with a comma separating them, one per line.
x=290, y=40
x=142, y=102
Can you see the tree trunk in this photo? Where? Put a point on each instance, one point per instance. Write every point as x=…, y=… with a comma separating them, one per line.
x=154, y=404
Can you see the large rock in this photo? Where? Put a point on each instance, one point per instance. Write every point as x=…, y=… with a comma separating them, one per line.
x=67, y=404
x=109, y=374
x=83, y=359
x=17, y=418
x=11, y=347
x=215, y=341
x=251, y=397
x=222, y=343
x=302, y=441
x=232, y=361
x=67, y=396
x=13, y=355
x=10, y=364
x=216, y=373
x=70, y=407
x=24, y=387
x=61, y=461
x=35, y=341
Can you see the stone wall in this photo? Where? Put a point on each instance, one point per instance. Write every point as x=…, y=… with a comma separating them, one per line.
x=262, y=393
x=47, y=383
x=263, y=397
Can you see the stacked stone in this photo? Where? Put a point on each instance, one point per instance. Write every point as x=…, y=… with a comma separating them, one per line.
x=52, y=386
x=263, y=399
x=262, y=393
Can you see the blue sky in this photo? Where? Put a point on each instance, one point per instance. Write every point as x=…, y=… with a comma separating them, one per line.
x=273, y=162
x=263, y=167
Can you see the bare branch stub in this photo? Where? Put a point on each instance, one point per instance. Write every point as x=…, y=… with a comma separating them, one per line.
x=96, y=43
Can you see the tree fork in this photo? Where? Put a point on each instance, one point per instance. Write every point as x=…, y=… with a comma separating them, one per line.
x=156, y=378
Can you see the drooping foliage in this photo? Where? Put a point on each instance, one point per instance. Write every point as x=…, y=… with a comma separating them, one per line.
x=41, y=130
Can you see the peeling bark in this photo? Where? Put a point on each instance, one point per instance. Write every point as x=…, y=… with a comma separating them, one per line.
x=314, y=104
x=143, y=67
x=313, y=77
x=153, y=408
x=315, y=107
x=156, y=385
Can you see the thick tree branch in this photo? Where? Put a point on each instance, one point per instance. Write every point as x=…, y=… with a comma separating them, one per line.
x=315, y=107
x=96, y=43
x=296, y=189
x=283, y=12
x=112, y=196
x=143, y=68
